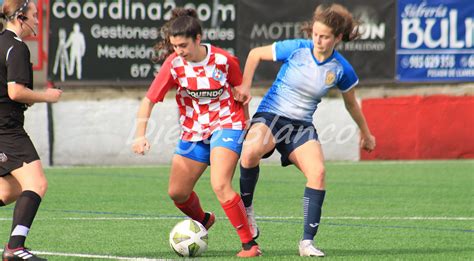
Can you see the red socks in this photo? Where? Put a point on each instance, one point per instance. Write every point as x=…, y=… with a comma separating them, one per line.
x=192, y=207
x=235, y=211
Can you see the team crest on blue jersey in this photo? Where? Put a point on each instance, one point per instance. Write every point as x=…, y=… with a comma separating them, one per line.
x=218, y=75
x=330, y=78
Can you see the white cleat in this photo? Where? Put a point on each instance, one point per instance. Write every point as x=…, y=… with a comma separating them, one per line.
x=307, y=249
x=252, y=222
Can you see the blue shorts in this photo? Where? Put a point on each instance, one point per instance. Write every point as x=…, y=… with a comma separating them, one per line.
x=289, y=134
x=201, y=150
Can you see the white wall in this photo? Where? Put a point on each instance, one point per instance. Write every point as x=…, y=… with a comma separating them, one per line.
x=36, y=124
x=101, y=132
x=338, y=133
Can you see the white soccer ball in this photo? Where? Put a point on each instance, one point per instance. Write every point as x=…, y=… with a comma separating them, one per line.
x=188, y=238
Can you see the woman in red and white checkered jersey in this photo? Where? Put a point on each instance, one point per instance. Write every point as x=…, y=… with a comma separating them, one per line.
x=212, y=122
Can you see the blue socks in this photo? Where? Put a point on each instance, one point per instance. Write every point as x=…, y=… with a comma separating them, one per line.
x=248, y=180
x=312, y=203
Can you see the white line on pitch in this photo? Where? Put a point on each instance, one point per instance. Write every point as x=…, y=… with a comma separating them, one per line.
x=94, y=256
x=399, y=162
x=364, y=162
x=258, y=217
x=402, y=218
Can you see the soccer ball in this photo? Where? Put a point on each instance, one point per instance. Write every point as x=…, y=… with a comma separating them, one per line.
x=188, y=238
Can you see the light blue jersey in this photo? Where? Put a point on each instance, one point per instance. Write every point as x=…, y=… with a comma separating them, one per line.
x=302, y=81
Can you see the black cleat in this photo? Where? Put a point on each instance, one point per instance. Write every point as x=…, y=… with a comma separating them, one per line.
x=20, y=253
x=209, y=220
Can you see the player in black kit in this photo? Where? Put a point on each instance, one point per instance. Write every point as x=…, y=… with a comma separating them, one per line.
x=21, y=174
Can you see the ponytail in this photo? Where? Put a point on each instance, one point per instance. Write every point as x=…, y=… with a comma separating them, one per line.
x=183, y=22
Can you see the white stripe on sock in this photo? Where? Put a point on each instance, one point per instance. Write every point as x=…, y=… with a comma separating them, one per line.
x=20, y=231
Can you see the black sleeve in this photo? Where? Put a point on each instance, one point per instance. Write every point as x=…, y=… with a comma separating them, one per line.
x=19, y=66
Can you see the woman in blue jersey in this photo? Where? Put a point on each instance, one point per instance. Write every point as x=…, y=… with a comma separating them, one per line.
x=284, y=118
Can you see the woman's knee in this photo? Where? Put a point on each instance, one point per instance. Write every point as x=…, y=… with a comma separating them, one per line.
x=320, y=173
x=9, y=198
x=31, y=177
x=317, y=176
x=223, y=191
x=250, y=157
x=10, y=189
x=178, y=195
x=8, y=195
x=41, y=187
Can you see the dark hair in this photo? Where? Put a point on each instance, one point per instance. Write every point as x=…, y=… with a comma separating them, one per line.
x=183, y=22
x=338, y=18
x=2, y=17
x=11, y=9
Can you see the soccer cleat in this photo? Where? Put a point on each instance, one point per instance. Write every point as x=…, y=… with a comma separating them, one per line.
x=252, y=252
x=20, y=253
x=209, y=220
x=252, y=222
x=307, y=248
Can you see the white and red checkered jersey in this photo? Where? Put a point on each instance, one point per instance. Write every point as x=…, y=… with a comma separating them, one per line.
x=204, y=93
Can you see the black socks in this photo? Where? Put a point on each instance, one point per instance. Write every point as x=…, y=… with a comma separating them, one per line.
x=25, y=211
x=248, y=181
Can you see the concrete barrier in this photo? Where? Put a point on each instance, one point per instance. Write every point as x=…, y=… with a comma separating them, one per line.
x=36, y=124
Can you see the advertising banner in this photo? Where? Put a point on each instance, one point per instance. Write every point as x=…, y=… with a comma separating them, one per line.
x=113, y=40
x=372, y=56
x=435, y=40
